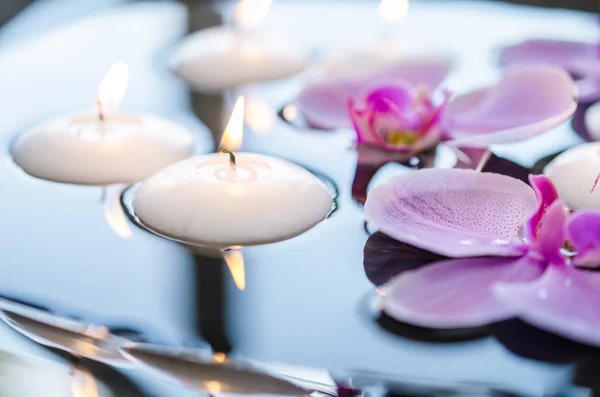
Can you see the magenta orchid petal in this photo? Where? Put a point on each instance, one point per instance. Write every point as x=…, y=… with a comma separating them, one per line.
x=399, y=96
x=506, y=112
x=563, y=301
x=456, y=293
x=552, y=236
x=546, y=194
x=324, y=103
x=583, y=232
x=453, y=212
x=365, y=135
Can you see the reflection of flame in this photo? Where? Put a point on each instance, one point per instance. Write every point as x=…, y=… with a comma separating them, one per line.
x=235, y=263
x=393, y=10
x=83, y=383
x=113, y=87
x=290, y=112
x=259, y=115
x=234, y=132
x=113, y=212
x=213, y=386
x=219, y=358
x=250, y=13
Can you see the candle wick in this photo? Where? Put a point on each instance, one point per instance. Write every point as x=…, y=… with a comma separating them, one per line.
x=231, y=157
x=100, y=110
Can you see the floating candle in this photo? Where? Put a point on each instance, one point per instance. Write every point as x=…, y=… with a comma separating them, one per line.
x=372, y=55
x=224, y=57
x=576, y=173
x=233, y=199
x=592, y=121
x=105, y=147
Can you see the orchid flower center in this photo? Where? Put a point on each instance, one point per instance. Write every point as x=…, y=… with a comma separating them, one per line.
x=401, y=138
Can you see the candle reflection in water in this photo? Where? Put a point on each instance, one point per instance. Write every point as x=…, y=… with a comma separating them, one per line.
x=83, y=383
x=235, y=262
x=113, y=210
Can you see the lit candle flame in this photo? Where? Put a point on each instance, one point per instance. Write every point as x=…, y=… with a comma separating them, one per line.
x=235, y=262
x=234, y=132
x=393, y=10
x=83, y=383
x=113, y=212
x=113, y=87
x=250, y=13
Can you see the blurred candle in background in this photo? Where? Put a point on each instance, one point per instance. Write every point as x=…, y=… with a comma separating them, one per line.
x=225, y=57
x=375, y=53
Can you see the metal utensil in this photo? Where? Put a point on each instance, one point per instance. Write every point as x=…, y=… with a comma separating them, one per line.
x=77, y=338
x=213, y=373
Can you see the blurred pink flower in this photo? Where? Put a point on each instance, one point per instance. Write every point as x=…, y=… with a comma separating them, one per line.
x=394, y=109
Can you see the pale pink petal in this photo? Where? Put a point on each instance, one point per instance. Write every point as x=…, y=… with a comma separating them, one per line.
x=563, y=301
x=528, y=101
x=583, y=232
x=556, y=52
x=453, y=212
x=456, y=293
x=546, y=194
x=324, y=103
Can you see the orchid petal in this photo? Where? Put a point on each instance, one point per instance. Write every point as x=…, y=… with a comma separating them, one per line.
x=528, y=101
x=324, y=102
x=546, y=194
x=452, y=212
x=456, y=293
x=583, y=232
x=551, y=236
x=563, y=301
x=579, y=59
x=556, y=52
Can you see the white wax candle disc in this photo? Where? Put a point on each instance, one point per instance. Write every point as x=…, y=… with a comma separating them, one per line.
x=592, y=121
x=575, y=174
x=205, y=201
x=218, y=59
x=83, y=150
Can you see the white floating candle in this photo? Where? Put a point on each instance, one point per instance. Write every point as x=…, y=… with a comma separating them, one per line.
x=592, y=121
x=241, y=199
x=372, y=55
x=575, y=174
x=220, y=58
x=105, y=147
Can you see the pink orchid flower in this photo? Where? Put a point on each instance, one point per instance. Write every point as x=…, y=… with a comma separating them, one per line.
x=581, y=60
x=394, y=108
x=518, y=252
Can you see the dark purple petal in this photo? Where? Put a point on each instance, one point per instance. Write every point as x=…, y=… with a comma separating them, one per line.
x=546, y=194
x=563, y=301
x=456, y=293
x=528, y=101
x=455, y=213
x=385, y=258
x=583, y=232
